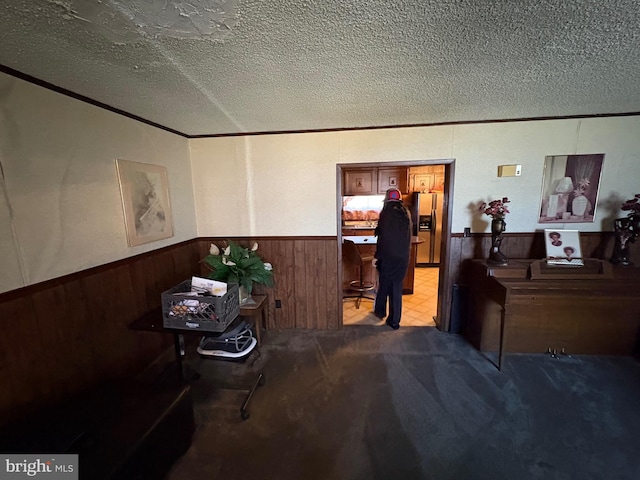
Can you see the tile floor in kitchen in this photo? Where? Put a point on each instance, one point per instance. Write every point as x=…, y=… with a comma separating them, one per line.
x=418, y=309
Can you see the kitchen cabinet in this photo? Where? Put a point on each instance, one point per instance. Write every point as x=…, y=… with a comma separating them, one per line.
x=396, y=177
x=375, y=181
x=423, y=182
x=438, y=182
x=361, y=181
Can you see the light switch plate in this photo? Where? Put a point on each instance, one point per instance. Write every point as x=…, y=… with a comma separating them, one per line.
x=509, y=170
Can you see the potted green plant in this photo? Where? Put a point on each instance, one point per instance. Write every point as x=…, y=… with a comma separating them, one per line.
x=236, y=264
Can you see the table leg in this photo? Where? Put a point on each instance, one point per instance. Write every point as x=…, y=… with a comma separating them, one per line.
x=178, y=352
x=501, y=346
x=258, y=324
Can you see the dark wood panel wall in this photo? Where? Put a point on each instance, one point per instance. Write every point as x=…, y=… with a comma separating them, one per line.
x=306, y=279
x=67, y=334
x=526, y=245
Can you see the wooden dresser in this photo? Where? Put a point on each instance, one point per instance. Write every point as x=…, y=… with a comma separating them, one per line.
x=593, y=314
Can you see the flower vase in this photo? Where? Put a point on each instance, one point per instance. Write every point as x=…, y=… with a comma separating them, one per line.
x=496, y=257
x=245, y=296
x=579, y=205
x=625, y=231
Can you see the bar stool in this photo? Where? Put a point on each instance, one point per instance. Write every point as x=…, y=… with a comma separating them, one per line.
x=353, y=256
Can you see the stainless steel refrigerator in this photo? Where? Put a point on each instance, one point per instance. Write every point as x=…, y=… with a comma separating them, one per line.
x=426, y=213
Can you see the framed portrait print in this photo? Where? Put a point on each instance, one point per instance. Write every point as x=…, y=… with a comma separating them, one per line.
x=570, y=188
x=563, y=247
x=145, y=200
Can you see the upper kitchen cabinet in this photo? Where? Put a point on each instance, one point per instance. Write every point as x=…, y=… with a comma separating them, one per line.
x=396, y=177
x=423, y=183
x=361, y=181
x=426, y=178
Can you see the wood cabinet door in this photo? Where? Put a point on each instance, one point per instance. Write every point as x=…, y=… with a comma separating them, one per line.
x=438, y=182
x=393, y=177
x=423, y=182
x=360, y=182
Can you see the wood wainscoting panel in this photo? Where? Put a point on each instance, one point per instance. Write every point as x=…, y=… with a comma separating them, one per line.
x=62, y=336
x=305, y=273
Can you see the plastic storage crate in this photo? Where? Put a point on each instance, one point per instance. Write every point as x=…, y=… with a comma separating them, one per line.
x=206, y=313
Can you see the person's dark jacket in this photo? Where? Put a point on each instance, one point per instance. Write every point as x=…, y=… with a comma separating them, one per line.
x=394, y=239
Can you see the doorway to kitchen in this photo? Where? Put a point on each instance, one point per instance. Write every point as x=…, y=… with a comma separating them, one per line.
x=418, y=309
x=423, y=299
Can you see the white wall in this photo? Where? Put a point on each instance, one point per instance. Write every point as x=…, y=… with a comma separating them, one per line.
x=274, y=185
x=60, y=205
x=291, y=185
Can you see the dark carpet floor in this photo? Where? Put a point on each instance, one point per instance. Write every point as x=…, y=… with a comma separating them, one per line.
x=371, y=403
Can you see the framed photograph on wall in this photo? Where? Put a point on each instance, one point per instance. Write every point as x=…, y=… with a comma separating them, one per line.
x=145, y=200
x=563, y=247
x=570, y=188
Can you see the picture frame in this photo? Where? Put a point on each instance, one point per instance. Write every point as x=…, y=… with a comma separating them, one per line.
x=144, y=189
x=563, y=247
x=570, y=188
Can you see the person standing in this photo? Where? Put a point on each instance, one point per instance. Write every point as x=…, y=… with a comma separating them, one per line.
x=392, y=256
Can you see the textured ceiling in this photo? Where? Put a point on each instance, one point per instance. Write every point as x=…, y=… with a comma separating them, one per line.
x=209, y=67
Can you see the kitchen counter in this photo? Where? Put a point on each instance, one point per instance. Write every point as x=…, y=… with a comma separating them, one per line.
x=372, y=240
x=367, y=245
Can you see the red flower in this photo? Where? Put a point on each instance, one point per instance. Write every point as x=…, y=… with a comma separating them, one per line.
x=632, y=205
x=495, y=208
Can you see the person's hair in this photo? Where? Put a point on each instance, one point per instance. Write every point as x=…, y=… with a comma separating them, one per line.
x=554, y=234
x=573, y=250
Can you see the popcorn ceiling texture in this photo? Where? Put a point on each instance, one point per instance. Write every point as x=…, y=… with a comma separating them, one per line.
x=214, y=67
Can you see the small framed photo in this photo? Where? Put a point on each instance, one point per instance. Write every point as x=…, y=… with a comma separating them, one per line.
x=563, y=247
x=393, y=181
x=145, y=199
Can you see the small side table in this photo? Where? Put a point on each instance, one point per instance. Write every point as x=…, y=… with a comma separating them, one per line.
x=258, y=314
x=152, y=322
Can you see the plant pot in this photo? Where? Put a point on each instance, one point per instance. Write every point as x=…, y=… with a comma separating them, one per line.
x=245, y=296
x=626, y=231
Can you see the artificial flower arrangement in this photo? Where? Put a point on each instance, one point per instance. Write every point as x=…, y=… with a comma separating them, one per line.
x=632, y=206
x=496, y=209
x=237, y=264
x=583, y=186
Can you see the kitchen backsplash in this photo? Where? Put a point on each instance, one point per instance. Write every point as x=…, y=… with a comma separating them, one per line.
x=363, y=208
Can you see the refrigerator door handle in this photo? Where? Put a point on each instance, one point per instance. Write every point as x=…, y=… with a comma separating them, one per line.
x=433, y=235
x=434, y=221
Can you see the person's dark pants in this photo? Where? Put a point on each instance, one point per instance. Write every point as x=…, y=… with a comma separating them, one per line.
x=390, y=287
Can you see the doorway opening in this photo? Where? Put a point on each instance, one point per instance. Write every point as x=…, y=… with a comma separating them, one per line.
x=424, y=301
x=418, y=308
